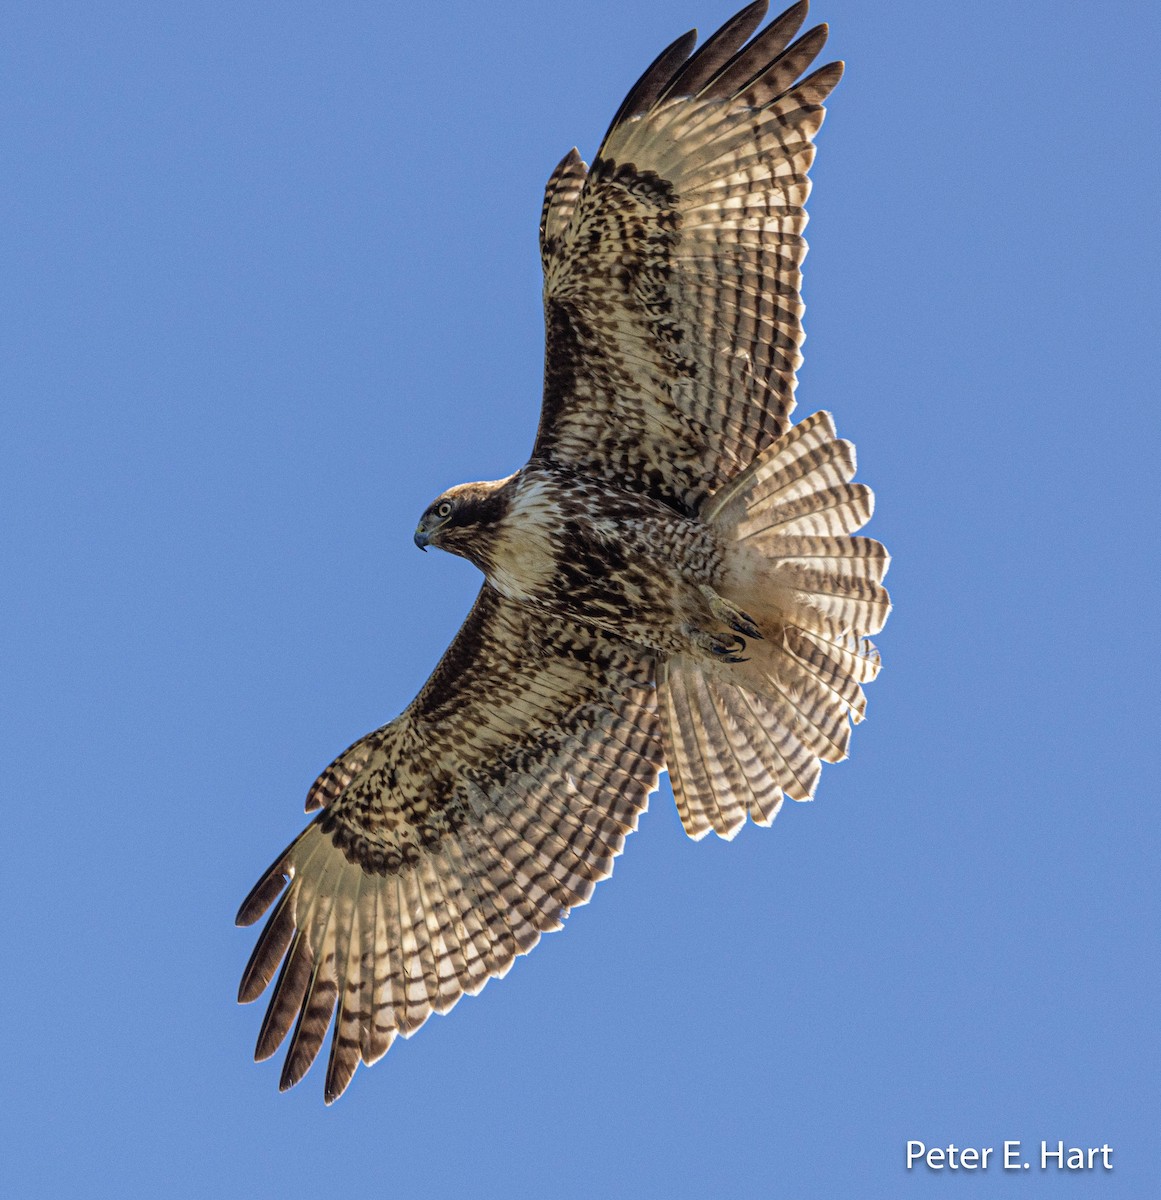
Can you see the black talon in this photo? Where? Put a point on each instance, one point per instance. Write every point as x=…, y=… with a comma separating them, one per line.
x=745, y=624
x=729, y=650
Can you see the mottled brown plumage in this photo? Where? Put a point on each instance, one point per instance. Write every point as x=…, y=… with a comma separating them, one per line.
x=670, y=580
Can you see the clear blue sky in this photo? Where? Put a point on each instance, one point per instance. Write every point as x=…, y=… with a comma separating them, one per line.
x=270, y=282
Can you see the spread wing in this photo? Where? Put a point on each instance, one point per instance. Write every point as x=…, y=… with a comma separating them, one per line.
x=453, y=837
x=672, y=269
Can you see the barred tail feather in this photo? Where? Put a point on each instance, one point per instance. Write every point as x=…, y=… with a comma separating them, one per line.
x=741, y=736
x=787, y=522
x=722, y=766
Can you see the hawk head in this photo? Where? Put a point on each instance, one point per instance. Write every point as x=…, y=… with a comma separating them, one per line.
x=462, y=520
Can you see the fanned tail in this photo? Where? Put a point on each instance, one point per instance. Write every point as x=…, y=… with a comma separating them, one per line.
x=740, y=736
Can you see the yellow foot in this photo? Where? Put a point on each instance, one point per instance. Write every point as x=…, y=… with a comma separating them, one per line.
x=733, y=618
x=724, y=647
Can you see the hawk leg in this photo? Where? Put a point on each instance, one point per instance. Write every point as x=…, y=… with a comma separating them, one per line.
x=729, y=616
x=724, y=647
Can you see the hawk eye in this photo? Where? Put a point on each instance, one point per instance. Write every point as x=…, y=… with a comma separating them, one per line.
x=444, y=510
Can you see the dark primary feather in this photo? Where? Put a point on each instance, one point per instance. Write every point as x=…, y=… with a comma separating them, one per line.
x=715, y=52
x=643, y=94
x=764, y=49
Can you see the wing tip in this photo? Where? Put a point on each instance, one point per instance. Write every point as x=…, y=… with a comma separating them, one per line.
x=334, y=1088
x=262, y=894
x=827, y=76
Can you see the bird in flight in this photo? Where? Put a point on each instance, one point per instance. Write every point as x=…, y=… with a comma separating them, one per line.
x=670, y=582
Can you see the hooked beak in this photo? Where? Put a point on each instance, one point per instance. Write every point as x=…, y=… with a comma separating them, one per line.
x=421, y=539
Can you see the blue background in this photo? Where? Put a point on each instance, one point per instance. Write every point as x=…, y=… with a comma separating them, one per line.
x=270, y=282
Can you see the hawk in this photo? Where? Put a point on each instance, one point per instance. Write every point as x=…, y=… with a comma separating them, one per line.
x=671, y=580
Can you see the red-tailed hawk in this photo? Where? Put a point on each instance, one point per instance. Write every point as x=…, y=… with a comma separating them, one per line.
x=670, y=581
